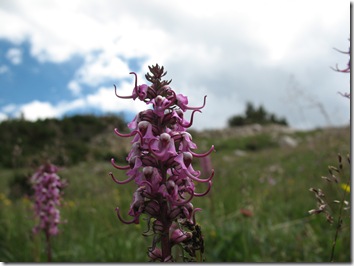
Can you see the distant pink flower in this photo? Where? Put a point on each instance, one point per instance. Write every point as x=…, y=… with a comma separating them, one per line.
x=47, y=185
x=47, y=188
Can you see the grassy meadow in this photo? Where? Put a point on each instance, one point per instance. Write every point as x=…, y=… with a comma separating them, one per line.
x=257, y=210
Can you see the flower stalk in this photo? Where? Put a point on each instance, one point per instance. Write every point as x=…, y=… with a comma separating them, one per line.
x=160, y=163
x=341, y=206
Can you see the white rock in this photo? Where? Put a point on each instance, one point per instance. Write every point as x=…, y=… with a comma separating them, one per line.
x=287, y=141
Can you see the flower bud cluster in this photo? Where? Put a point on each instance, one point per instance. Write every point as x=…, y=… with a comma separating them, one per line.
x=47, y=185
x=160, y=163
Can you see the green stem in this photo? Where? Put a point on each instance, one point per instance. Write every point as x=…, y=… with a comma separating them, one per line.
x=339, y=225
x=49, y=248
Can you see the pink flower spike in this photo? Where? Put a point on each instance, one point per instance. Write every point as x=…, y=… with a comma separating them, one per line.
x=135, y=220
x=160, y=164
x=47, y=195
x=121, y=182
x=119, y=167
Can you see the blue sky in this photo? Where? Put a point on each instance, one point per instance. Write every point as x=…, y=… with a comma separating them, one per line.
x=63, y=58
x=26, y=78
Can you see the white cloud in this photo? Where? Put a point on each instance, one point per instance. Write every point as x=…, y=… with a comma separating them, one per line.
x=14, y=55
x=234, y=52
x=38, y=110
x=19, y=29
x=74, y=87
x=100, y=68
x=4, y=69
x=103, y=99
x=67, y=106
x=159, y=30
x=41, y=110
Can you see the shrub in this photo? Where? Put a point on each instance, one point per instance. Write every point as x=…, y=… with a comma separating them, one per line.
x=255, y=116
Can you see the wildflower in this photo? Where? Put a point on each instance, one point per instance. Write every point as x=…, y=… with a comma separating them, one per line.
x=47, y=188
x=160, y=163
x=345, y=187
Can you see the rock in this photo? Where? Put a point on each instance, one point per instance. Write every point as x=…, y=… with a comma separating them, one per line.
x=240, y=153
x=287, y=141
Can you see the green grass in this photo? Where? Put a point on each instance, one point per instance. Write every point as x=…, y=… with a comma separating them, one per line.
x=271, y=181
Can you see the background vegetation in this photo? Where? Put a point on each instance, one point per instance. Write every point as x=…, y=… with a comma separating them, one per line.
x=255, y=115
x=67, y=141
x=257, y=210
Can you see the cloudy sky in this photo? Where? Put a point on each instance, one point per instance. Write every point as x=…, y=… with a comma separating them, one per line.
x=63, y=57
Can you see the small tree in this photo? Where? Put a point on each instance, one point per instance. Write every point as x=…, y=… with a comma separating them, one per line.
x=255, y=115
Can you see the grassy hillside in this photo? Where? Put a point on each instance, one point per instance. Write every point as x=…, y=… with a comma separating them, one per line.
x=257, y=210
x=64, y=142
